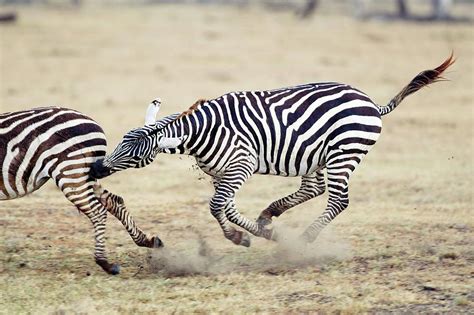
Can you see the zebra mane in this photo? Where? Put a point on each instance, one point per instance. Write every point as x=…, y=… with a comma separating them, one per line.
x=161, y=123
x=192, y=108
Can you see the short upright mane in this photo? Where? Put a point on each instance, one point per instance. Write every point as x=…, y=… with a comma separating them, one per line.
x=192, y=108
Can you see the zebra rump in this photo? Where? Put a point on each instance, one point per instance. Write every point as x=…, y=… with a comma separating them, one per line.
x=62, y=144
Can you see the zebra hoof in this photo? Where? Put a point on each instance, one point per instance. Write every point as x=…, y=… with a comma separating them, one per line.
x=245, y=241
x=157, y=243
x=270, y=234
x=114, y=269
x=263, y=221
x=241, y=238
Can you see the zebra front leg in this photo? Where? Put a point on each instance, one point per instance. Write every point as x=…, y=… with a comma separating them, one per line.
x=225, y=188
x=217, y=210
x=237, y=237
x=116, y=206
x=223, y=202
x=311, y=187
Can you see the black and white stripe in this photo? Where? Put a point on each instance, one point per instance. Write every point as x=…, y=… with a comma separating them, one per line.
x=62, y=144
x=293, y=131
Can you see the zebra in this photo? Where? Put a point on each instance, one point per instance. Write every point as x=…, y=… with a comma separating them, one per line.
x=61, y=144
x=294, y=131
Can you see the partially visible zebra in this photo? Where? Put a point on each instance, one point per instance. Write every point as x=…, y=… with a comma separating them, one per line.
x=60, y=143
x=294, y=131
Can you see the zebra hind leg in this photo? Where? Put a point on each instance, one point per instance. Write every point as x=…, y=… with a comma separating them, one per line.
x=338, y=181
x=83, y=197
x=311, y=186
x=116, y=206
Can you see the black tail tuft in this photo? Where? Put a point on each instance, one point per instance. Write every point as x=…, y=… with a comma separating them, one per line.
x=423, y=79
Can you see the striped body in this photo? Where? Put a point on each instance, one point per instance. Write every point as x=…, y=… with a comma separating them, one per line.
x=289, y=132
x=295, y=131
x=44, y=143
x=61, y=144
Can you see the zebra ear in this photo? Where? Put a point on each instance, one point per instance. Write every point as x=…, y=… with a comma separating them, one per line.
x=152, y=111
x=170, y=143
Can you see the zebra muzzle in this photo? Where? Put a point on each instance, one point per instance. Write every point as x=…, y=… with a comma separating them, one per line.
x=98, y=170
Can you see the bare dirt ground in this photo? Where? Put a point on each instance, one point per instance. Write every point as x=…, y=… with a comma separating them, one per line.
x=404, y=244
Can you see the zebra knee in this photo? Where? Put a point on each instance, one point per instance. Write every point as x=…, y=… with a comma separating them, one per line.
x=117, y=200
x=217, y=211
x=111, y=201
x=275, y=209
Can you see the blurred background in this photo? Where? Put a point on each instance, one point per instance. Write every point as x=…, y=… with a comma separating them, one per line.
x=109, y=59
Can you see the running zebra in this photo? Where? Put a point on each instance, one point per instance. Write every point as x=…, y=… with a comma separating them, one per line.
x=60, y=143
x=294, y=131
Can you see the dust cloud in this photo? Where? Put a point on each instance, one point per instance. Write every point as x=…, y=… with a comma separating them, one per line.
x=289, y=253
x=198, y=259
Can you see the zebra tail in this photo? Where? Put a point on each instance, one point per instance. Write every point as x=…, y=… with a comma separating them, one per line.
x=423, y=79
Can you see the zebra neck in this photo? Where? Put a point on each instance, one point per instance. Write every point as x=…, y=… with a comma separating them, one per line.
x=179, y=128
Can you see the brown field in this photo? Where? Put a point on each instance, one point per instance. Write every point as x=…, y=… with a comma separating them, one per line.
x=404, y=245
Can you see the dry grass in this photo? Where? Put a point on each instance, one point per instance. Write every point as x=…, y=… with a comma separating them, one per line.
x=404, y=244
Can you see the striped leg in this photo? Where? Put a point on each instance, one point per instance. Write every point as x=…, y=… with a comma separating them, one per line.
x=338, y=180
x=116, y=206
x=222, y=205
x=216, y=206
x=235, y=217
x=311, y=187
x=82, y=196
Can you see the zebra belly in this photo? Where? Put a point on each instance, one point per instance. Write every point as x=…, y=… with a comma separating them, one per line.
x=292, y=162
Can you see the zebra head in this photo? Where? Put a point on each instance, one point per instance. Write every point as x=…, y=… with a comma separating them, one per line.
x=139, y=146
